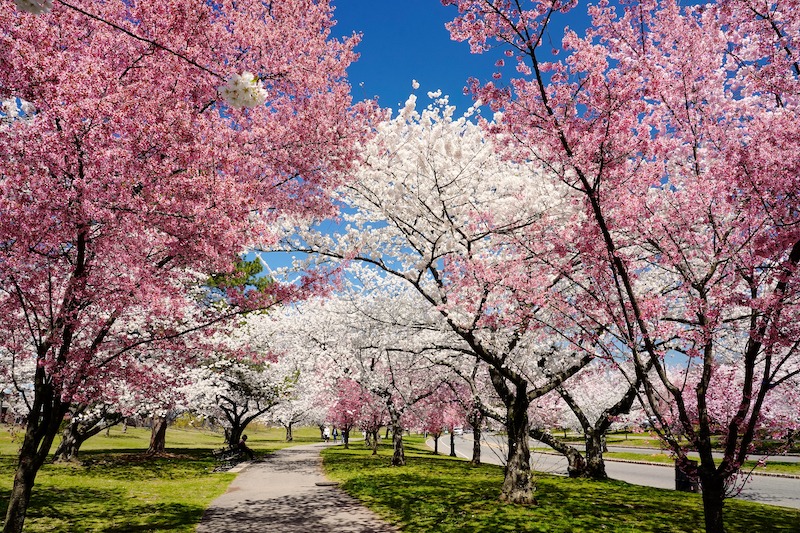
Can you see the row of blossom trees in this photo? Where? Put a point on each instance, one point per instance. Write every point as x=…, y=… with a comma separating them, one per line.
x=603, y=218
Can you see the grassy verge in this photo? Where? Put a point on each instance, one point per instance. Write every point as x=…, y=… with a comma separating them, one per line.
x=441, y=494
x=117, y=488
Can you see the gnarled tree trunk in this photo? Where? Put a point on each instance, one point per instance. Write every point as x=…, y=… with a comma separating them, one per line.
x=80, y=429
x=595, y=445
x=576, y=465
x=517, y=485
x=158, y=435
x=374, y=441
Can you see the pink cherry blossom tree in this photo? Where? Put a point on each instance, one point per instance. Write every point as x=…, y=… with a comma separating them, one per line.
x=677, y=129
x=345, y=412
x=155, y=141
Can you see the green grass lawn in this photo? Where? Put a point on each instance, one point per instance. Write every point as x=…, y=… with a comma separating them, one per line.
x=116, y=488
x=442, y=494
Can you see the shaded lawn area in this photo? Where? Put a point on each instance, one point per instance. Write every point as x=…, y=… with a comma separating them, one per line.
x=442, y=494
x=124, y=491
x=116, y=488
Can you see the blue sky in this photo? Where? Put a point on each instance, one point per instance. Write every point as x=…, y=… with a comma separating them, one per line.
x=405, y=40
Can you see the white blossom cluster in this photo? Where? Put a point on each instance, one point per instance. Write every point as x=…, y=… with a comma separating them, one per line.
x=10, y=110
x=36, y=7
x=243, y=90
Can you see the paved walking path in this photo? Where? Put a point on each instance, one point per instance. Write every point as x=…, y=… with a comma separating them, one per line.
x=281, y=494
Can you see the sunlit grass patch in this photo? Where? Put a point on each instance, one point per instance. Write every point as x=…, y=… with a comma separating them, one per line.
x=442, y=494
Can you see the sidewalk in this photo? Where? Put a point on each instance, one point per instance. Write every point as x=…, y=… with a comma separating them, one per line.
x=281, y=494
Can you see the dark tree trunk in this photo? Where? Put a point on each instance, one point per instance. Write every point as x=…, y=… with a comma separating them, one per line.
x=79, y=431
x=289, y=434
x=346, y=438
x=576, y=465
x=158, y=436
x=517, y=485
x=713, y=488
x=436, y=442
x=41, y=429
x=237, y=430
x=375, y=441
x=399, y=454
x=70, y=445
x=595, y=445
x=452, y=444
x=476, y=421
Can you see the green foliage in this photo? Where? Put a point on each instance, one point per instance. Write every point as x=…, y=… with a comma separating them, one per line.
x=443, y=494
x=246, y=274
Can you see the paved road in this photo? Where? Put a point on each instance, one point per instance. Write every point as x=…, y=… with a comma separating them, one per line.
x=281, y=494
x=754, y=457
x=763, y=489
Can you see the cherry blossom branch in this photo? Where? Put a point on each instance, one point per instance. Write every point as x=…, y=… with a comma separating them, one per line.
x=140, y=38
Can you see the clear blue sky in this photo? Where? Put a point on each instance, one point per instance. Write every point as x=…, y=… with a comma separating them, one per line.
x=405, y=40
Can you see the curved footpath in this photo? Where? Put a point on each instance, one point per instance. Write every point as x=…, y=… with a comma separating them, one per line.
x=287, y=493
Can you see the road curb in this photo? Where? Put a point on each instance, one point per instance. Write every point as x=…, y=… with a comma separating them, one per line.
x=667, y=465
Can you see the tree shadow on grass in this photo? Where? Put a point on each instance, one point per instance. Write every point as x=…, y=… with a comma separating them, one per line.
x=83, y=509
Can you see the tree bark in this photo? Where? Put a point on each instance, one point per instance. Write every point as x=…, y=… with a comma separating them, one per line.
x=70, y=445
x=79, y=430
x=399, y=455
x=476, y=421
x=158, y=436
x=452, y=444
x=41, y=429
x=346, y=438
x=436, y=442
x=517, y=485
x=576, y=465
x=713, y=489
x=374, y=442
x=236, y=434
x=289, y=433
x=595, y=465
